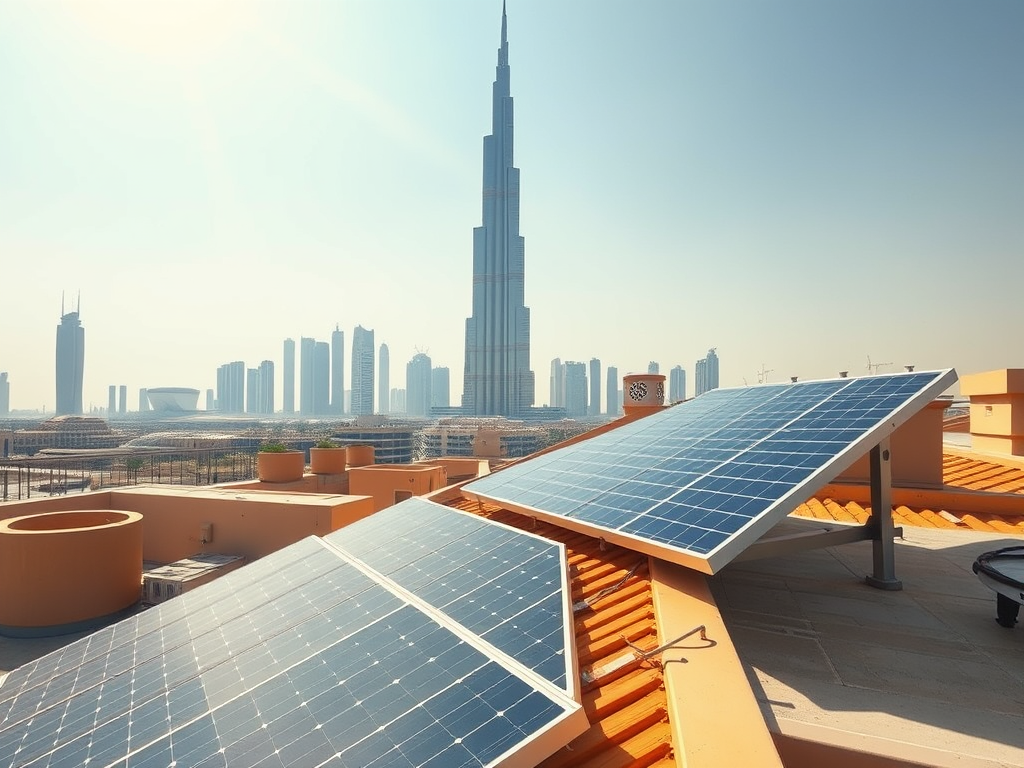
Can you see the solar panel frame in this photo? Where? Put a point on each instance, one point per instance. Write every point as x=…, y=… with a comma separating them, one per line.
x=813, y=430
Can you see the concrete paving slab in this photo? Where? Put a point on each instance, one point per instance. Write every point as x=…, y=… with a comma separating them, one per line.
x=926, y=667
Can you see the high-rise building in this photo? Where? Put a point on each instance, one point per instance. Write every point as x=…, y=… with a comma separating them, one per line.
x=265, y=387
x=288, y=385
x=384, y=380
x=594, y=406
x=611, y=394
x=251, y=385
x=557, y=399
x=440, y=388
x=418, y=385
x=337, y=370
x=122, y=399
x=397, y=400
x=231, y=387
x=307, y=368
x=211, y=401
x=707, y=372
x=575, y=390
x=498, y=380
x=362, y=371
x=111, y=400
x=653, y=367
x=143, y=400
x=5, y=394
x=70, y=362
x=322, y=378
x=677, y=384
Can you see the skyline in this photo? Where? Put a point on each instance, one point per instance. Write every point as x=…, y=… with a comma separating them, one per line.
x=799, y=186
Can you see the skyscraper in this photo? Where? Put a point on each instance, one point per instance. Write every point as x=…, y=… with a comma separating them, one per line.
x=251, y=387
x=594, y=407
x=337, y=370
x=653, y=367
x=111, y=400
x=498, y=379
x=122, y=399
x=362, y=372
x=707, y=372
x=557, y=399
x=143, y=399
x=611, y=395
x=418, y=385
x=440, y=388
x=231, y=387
x=677, y=384
x=265, y=387
x=307, y=367
x=5, y=394
x=384, y=380
x=289, y=376
x=575, y=390
x=70, y=362
x=321, y=378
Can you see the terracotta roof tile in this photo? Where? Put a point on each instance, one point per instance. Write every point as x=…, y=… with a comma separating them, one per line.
x=623, y=695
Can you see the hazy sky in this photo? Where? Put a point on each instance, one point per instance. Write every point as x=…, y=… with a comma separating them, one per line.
x=800, y=184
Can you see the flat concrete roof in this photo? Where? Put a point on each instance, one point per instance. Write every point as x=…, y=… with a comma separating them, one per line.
x=924, y=674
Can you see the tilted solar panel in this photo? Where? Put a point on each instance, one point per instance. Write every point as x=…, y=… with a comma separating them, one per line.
x=503, y=584
x=699, y=482
x=303, y=658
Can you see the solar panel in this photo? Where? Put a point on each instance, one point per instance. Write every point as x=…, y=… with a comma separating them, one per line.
x=306, y=657
x=501, y=583
x=699, y=482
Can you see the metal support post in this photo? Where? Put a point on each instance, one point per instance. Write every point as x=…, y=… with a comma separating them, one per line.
x=880, y=525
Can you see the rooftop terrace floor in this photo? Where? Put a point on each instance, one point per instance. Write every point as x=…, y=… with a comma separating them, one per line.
x=924, y=674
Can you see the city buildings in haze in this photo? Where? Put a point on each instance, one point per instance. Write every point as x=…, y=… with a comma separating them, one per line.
x=321, y=378
x=111, y=400
x=337, y=370
x=122, y=399
x=288, y=382
x=265, y=387
x=594, y=406
x=706, y=373
x=575, y=390
x=653, y=367
x=498, y=380
x=5, y=394
x=440, y=388
x=557, y=398
x=143, y=400
x=307, y=368
x=362, y=371
x=612, y=399
x=70, y=362
x=418, y=385
x=383, y=379
x=231, y=387
x=677, y=384
x=250, y=390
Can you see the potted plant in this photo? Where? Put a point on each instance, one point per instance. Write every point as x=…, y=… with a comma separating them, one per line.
x=276, y=463
x=327, y=458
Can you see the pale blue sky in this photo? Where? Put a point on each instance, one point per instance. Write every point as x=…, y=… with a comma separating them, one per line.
x=798, y=183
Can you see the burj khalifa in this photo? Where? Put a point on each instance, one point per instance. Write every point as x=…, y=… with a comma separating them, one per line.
x=498, y=380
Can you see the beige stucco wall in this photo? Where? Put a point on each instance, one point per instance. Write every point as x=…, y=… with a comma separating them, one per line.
x=997, y=410
x=916, y=448
x=381, y=481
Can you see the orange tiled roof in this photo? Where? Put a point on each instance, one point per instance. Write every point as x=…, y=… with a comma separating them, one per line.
x=961, y=472
x=623, y=696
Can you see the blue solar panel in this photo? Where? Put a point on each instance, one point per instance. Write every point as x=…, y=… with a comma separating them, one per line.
x=503, y=584
x=699, y=482
x=303, y=658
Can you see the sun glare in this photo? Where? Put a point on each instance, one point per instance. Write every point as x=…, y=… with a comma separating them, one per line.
x=177, y=32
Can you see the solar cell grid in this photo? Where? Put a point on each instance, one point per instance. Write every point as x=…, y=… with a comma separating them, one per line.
x=698, y=482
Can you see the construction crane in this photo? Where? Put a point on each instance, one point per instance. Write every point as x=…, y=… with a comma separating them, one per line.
x=873, y=368
x=762, y=375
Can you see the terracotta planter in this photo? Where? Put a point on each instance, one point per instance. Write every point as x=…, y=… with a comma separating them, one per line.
x=327, y=461
x=285, y=467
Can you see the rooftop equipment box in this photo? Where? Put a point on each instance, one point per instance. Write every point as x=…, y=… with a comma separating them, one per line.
x=167, y=581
